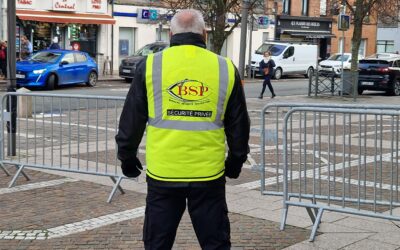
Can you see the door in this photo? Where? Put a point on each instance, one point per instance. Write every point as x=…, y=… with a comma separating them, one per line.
x=66, y=69
x=82, y=70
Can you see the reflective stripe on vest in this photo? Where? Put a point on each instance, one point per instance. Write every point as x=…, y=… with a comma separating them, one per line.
x=183, y=125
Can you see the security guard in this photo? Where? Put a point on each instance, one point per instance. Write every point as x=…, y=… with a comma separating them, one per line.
x=192, y=101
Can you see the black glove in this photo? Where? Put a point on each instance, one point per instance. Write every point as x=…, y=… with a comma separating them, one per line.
x=131, y=168
x=232, y=168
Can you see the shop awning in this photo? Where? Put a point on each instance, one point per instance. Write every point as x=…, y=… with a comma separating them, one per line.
x=310, y=34
x=62, y=17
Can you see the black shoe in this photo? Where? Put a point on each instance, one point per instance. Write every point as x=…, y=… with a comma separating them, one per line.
x=273, y=95
x=260, y=97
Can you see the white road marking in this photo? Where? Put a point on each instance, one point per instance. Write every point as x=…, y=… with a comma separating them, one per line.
x=36, y=185
x=73, y=228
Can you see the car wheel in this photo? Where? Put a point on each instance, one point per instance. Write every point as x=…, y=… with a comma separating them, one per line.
x=395, y=88
x=278, y=74
x=360, y=91
x=128, y=80
x=92, y=79
x=51, y=82
x=310, y=72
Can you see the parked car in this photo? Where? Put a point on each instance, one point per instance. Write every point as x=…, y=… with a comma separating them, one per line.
x=334, y=63
x=52, y=68
x=289, y=58
x=380, y=72
x=128, y=65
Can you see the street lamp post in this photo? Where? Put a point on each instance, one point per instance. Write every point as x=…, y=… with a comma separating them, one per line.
x=243, y=34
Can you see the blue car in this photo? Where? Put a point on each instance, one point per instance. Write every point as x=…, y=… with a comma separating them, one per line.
x=52, y=68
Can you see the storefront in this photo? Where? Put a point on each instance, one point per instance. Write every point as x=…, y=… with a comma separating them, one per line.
x=77, y=24
x=316, y=30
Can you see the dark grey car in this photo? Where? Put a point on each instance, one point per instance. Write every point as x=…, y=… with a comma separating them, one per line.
x=128, y=65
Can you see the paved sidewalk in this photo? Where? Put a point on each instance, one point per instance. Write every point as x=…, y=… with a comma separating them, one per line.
x=58, y=210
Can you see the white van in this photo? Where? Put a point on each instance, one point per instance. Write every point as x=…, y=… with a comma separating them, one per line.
x=290, y=58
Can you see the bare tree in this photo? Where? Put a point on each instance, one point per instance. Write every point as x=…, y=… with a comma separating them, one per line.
x=216, y=14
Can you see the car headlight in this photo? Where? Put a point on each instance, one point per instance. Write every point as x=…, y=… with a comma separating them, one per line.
x=39, y=71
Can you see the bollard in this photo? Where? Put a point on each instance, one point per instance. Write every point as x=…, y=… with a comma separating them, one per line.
x=24, y=104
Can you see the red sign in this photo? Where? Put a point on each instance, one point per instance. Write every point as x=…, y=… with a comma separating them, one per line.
x=76, y=46
x=25, y=4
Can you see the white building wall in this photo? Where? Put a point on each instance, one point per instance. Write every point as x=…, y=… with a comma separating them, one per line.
x=390, y=34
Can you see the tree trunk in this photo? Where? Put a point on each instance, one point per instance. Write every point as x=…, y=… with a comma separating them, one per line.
x=355, y=41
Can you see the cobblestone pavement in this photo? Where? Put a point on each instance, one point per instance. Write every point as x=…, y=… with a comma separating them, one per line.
x=72, y=214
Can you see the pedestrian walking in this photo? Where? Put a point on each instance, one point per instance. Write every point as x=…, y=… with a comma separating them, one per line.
x=191, y=100
x=267, y=68
x=3, y=58
x=54, y=44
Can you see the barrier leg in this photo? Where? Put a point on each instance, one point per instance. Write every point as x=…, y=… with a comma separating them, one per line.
x=14, y=179
x=316, y=224
x=311, y=214
x=119, y=187
x=116, y=185
x=284, y=217
x=4, y=169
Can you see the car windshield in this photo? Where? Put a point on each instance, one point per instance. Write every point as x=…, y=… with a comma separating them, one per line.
x=338, y=57
x=264, y=47
x=149, y=49
x=276, y=49
x=46, y=57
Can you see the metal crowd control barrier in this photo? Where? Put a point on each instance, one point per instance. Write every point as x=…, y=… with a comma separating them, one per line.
x=72, y=133
x=271, y=151
x=359, y=173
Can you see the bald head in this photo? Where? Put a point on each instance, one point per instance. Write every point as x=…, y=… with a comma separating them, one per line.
x=189, y=20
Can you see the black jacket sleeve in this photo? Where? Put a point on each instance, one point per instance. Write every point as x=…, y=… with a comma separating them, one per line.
x=134, y=116
x=237, y=128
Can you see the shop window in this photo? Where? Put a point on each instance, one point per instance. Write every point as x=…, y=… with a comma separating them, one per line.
x=164, y=35
x=286, y=7
x=85, y=35
x=265, y=36
x=126, y=41
x=304, y=7
x=385, y=46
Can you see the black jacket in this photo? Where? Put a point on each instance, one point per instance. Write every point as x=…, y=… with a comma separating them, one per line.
x=270, y=64
x=135, y=116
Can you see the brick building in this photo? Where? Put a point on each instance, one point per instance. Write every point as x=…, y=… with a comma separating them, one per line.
x=314, y=21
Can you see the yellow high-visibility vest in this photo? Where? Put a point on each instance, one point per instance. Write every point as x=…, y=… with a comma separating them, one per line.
x=188, y=88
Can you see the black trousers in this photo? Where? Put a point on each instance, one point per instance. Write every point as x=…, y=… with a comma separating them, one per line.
x=267, y=81
x=207, y=209
x=3, y=68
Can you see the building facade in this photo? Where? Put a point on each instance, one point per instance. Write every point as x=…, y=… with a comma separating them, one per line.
x=138, y=25
x=315, y=22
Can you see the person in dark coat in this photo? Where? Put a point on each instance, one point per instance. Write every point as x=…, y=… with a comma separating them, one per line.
x=54, y=44
x=267, y=68
x=204, y=195
x=3, y=58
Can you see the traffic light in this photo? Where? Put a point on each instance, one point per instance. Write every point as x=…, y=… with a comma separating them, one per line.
x=344, y=22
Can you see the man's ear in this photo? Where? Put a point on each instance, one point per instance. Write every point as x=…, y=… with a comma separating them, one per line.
x=205, y=35
x=170, y=35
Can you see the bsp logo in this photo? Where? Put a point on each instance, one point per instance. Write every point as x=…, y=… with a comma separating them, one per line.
x=189, y=90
